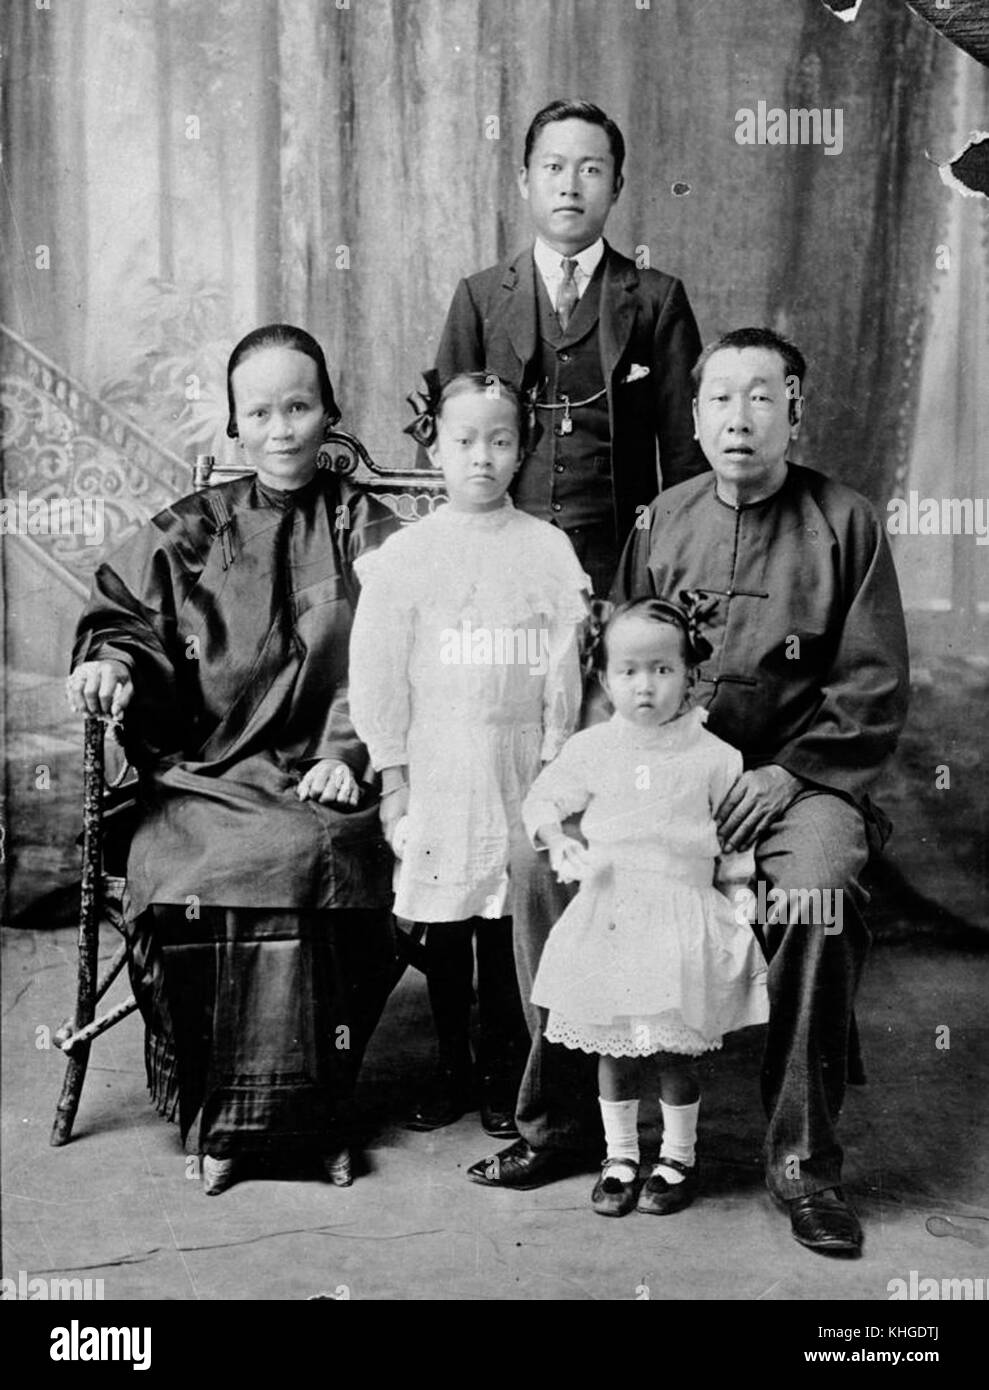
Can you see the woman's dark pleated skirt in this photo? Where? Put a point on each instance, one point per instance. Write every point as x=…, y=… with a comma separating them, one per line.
x=257, y=1020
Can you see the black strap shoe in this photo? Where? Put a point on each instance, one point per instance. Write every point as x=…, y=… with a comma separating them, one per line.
x=612, y=1195
x=661, y=1198
x=824, y=1222
x=522, y=1167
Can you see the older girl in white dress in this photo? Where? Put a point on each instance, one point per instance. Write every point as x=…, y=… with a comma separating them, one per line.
x=464, y=677
x=654, y=959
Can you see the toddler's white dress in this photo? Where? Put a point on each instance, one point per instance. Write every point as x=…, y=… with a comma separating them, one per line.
x=464, y=666
x=649, y=956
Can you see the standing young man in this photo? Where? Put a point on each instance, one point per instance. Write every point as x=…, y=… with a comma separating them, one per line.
x=606, y=346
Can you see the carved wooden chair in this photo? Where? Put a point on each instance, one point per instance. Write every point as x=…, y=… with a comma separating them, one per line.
x=410, y=493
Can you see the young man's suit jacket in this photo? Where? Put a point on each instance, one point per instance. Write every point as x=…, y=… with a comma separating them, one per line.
x=645, y=322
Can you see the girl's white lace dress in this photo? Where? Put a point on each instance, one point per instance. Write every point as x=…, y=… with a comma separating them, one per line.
x=649, y=956
x=464, y=666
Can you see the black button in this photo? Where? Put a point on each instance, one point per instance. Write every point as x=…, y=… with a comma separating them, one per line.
x=563, y=356
x=558, y=506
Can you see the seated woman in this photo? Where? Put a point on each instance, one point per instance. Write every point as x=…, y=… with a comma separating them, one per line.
x=258, y=884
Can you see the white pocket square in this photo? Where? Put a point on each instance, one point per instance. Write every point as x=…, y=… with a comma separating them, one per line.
x=635, y=373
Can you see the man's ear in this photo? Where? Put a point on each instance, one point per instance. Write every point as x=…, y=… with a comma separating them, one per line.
x=693, y=411
x=619, y=185
x=796, y=414
x=524, y=182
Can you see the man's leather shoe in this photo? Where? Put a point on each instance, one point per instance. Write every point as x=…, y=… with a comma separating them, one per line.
x=498, y=1108
x=450, y=1097
x=823, y=1221
x=661, y=1198
x=612, y=1195
x=522, y=1167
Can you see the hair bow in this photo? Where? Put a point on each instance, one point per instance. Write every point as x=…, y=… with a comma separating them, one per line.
x=698, y=608
x=425, y=404
x=599, y=610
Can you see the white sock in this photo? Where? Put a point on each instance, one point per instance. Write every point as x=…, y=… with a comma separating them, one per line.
x=621, y=1133
x=679, y=1139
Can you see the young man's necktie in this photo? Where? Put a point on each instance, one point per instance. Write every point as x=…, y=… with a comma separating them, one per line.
x=567, y=297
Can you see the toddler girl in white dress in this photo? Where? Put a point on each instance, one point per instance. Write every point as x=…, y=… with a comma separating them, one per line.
x=649, y=964
x=464, y=677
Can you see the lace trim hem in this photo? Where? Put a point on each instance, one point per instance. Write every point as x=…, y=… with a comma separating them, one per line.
x=636, y=1038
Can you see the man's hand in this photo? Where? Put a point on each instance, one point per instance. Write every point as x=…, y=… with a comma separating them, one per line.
x=330, y=780
x=100, y=687
x=757, y=799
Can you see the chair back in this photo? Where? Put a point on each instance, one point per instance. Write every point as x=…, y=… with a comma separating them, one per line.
x=410, y=492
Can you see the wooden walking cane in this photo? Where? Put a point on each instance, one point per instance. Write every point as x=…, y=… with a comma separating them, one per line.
x=75, y=1038
x=89, y=925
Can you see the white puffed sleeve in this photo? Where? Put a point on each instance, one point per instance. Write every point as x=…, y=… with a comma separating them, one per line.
x=560, y=790
x=380, y=645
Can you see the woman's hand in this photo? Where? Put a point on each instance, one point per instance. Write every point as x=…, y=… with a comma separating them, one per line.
x=100, y=687
x=330, y=780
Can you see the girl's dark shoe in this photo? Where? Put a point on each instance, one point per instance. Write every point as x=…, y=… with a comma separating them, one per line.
x=613, y=1196
x=661, y=1198
x=498, y=1097
x=450, y=1097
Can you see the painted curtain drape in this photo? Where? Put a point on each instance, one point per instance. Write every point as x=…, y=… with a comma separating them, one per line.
x=176, y=172
x=343, y=165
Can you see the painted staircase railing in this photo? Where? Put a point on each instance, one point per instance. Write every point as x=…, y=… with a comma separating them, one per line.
x=61, y=444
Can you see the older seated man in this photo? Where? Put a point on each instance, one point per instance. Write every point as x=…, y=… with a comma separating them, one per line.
x=809, y=678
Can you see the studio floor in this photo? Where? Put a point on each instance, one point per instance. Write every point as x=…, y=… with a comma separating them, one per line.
x=121, y=1202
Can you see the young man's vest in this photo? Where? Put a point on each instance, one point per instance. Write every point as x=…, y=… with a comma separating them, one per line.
x=567, y=479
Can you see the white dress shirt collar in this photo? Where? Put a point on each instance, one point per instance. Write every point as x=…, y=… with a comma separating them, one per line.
x=549, y=263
